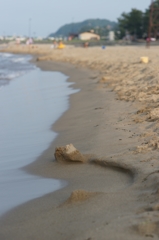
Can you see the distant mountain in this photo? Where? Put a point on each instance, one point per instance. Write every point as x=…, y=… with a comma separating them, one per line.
x=86, y=25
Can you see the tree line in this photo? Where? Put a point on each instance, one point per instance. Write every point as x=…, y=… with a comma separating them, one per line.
x=136, y=23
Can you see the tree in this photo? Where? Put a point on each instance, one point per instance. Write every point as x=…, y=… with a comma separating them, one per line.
x=131, y=22
x=154, y=19
x=156, y=3
x=137, y=22
x=146, y=19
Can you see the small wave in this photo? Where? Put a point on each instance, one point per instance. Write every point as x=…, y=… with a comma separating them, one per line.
x=13, y=66
x=14, y=75
x=6, y=54
x=11, y=75
x=22, y=60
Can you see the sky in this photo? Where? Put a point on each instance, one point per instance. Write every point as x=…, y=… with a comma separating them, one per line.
x=42, y=17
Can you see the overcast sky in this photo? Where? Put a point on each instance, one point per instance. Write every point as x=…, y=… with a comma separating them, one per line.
x=46, y=16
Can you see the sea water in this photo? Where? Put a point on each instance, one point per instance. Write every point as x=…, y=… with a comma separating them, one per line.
x=31, y=100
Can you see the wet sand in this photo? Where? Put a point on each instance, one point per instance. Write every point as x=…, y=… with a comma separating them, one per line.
x=114, y=195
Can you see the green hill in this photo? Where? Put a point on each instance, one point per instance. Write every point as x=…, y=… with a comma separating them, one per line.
x=86, y=25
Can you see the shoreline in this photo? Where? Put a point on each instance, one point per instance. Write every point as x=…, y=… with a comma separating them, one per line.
x=32, y=135
x=101, y=126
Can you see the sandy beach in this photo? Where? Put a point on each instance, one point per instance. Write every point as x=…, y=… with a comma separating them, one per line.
x=114, y=121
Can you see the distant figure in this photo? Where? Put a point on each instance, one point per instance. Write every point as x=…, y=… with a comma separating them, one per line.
x=54, y=46
x=148, y=40
x=86, y=44
x=18, y=41
x=27, y=42
x=30, y=41
x=61, y=45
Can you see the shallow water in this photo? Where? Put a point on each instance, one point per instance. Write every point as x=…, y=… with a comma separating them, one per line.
x=29, y=105
x=13, y=66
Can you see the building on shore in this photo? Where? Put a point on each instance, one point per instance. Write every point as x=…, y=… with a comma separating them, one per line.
x=111, y=36
x=86, y=36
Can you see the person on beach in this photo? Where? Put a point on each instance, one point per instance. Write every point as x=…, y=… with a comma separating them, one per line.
x=61, y=45
x=148, y=40
x=18, y=41
x=29, y=41
x=86, y=44
x=54, y=45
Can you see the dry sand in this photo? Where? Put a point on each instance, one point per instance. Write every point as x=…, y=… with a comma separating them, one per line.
x=115, y=194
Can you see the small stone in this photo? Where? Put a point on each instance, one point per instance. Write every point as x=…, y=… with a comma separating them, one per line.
x=68, y=154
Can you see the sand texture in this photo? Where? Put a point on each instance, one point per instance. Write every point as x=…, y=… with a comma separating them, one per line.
x=113, y=121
